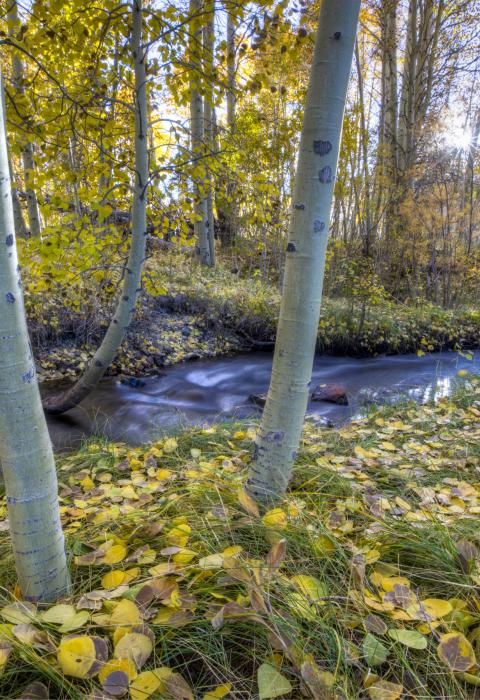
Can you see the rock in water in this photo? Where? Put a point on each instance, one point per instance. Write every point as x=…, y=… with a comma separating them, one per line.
x=133, y=382
x=258, y=399
x=333, y=393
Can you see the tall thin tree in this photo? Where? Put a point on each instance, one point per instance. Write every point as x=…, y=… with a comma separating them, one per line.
x=133, y=270
x=282, y=421
x=28, y=159
x=26, y=455
x=197, y=134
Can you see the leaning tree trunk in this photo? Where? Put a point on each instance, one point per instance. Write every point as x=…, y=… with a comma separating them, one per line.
x=282, y=421
x=133, y=270
x=26, y=455
x=197, y=136
x=27, y=147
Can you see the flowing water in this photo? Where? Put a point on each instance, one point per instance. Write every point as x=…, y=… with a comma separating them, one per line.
x=202, y=392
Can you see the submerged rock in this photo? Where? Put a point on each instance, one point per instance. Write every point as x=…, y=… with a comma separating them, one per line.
x=258, y=399
x=133, y=382
x=333, y=393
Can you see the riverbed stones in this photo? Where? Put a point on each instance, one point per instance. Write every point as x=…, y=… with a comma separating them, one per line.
x=332, y=393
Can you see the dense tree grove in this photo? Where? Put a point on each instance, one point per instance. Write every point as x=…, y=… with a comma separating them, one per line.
x=182, y=180
x=224, y=109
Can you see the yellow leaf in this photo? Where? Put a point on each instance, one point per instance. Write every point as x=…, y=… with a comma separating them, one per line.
x=247, y=502
x=384, y=690
x=148, y=682
x=170, y=445
x=135, y=646
x=309, y=586
x=81, y=656
x=162, y=474
x=113, y=579
x=184, y=556
x=115, y=554
x=219, y=692
x=435, y=607
x=389, y=446
x=125, y=613
x=275, y=518
x=456, y=651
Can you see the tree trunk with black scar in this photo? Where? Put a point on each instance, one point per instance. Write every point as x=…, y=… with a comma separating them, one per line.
x=282, y=421
x=28, y=160
x=26, y=455
x=133, y=270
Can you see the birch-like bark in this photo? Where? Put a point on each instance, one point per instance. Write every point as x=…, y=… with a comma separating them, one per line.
x=231, y=71
x=28, y=160
x=133, y=270
x=208, y=51
x=229, y=215
x=282, y=421
x=26, y=455
x=197, y=135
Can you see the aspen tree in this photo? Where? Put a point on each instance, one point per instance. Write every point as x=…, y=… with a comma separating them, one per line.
x=26, y=455
x=208, y=50
x=28, y=159
x=197, y=135
x=133, y=270
x=282, y=421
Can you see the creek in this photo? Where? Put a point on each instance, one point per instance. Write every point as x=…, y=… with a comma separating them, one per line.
x=207, y=391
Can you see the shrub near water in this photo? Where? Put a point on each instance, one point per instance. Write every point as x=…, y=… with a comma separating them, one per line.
x=224, y=312
x=363, y=581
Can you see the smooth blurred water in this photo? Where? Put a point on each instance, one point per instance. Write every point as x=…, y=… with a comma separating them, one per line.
x=206, y=391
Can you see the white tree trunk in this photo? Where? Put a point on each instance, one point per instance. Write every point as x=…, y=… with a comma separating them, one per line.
x=28, y=160
x=231, y=71
x=208, y=48
x=26, y=453
x=197, y=134
x=282, y=421
x=133, y=270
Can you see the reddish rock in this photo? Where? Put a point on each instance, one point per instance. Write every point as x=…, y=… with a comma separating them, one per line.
x=333, y=393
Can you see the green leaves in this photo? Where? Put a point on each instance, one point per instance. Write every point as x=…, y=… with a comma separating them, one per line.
x=271, y=683
x=374, y=651
x=409, y=638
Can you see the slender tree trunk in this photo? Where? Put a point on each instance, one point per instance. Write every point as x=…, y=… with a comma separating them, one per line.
x=229, y=210
x=208, y=47
x=28, y=159
x=133, y=271
x=282, y=421
x=25, y=450
x=197, y=133
x=367, y=215
x=231, y=72
x=470, y=182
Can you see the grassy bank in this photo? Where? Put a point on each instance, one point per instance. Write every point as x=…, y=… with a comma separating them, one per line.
x=187, y=313
x=363, y=583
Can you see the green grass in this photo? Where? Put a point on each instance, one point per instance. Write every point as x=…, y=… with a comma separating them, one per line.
x=395, y=493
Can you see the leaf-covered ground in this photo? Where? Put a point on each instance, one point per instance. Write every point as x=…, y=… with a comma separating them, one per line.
x=363, y=583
